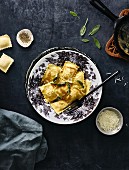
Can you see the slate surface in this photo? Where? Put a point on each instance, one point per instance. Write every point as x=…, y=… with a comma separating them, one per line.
x=79, y=146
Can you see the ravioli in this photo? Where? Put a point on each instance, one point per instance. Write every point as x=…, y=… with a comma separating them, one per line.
x=51, y=73
x=69, y=70
x=59, y=106
x=5, y=62
x=61, y=90
x=63, y=85
x=5, y=42
x=48, y=91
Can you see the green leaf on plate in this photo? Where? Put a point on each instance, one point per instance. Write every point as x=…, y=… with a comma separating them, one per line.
x=69, y=88
x=80, y=83
x=55, y=78
x=57, y=99
x=83, y=29
x=85, y=40
x=94, y=30
x=97, y=43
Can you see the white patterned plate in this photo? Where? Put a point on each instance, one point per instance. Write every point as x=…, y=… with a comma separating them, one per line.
x=58, y=56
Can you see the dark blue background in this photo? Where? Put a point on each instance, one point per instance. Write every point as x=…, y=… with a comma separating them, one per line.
x=80, y=146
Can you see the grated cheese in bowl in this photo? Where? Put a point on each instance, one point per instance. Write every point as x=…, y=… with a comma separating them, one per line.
x=109, y=120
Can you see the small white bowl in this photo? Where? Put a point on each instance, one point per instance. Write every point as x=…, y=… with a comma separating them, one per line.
x=119, y=124
x=29, y=34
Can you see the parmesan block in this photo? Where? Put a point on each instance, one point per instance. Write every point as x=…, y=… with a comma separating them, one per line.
x=5, y=42
x=5, y=62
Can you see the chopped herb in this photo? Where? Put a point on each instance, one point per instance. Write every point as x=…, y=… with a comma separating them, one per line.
x=74, y=14
x=83, y=29
x=55, y=78
x=57, y=99
x=85, y=40
x=97, y=43
x=80, y=83
x=53, y=83
x=69, y=90
x=60, y=84
x=94, y=30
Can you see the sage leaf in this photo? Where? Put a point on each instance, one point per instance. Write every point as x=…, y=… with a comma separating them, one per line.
x=97, y=43
x=74, y=14
x=69, y=89
x=55, y=78
x=85, y=40
x=94, y=30
x=61, y=84
x=57, y=99
x=80, y=83
x=83, y=29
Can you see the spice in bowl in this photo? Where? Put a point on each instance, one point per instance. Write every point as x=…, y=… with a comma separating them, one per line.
x=24, y=37
x=109, y=121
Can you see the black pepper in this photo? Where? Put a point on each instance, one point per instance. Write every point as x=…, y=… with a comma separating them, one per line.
x=24, y=37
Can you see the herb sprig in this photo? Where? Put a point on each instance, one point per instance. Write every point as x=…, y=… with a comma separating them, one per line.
x=93, y=31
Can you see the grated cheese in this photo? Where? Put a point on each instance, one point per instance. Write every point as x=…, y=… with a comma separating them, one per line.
x=108, y=120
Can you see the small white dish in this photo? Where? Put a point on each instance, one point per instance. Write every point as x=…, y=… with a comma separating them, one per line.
x=109, y=121
x=24, y=38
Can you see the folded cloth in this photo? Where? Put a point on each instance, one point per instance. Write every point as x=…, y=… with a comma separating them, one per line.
x=22, y=143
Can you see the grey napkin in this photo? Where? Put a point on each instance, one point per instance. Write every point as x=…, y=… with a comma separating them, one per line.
x=22, y=143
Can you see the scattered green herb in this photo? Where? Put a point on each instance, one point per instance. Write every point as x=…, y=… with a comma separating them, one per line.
x=69, y=90
x=97, y=43
x=55, y=78
x=83, y=29
x=94, y=30
x=57, y=99
x=74, y=14
x=60, y=84
x=85, y=40
x=80, y=83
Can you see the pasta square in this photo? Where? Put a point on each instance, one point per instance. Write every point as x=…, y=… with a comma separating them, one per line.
x=59, y=106
x=69, y=70
x=5, y=62
x=51, y=73
x=5, y=42
x=48, y=90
